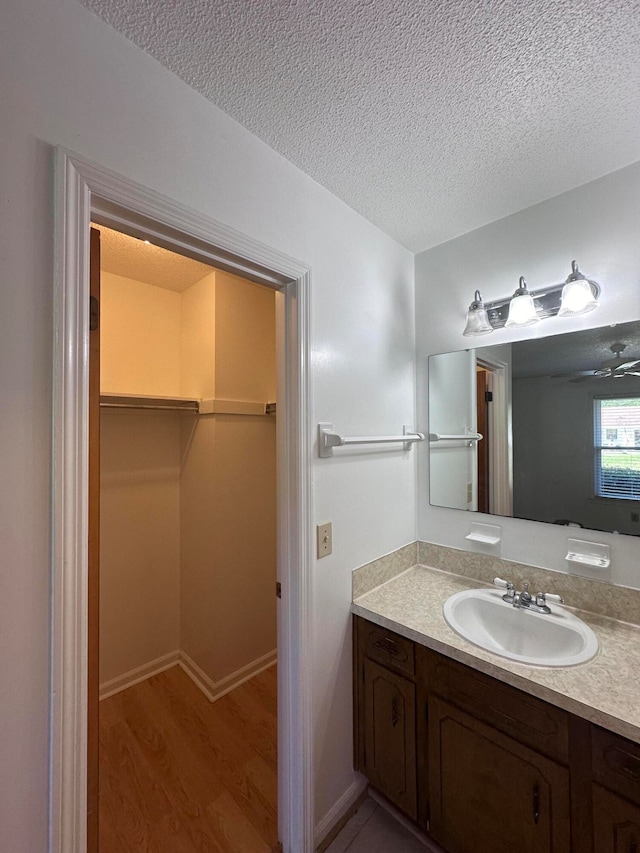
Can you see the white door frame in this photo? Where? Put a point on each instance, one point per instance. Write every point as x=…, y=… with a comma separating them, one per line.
x=83, y=190
x=500, y=441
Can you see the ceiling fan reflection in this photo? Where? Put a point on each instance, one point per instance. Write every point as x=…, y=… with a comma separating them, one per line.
x=613, y=368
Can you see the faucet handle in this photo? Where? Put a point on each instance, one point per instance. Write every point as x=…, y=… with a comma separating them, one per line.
x=511, y=591
x=543, y=597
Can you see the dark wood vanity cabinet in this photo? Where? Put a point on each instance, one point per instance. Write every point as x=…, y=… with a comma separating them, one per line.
x=482, y=766
x=385, y=725
x=497, y=763
x=615, y=793
x=489, y=791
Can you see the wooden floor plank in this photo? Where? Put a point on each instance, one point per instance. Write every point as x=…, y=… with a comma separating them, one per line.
x=234, y=834
x=179, y=774
x=263, y=781
x=163, y=744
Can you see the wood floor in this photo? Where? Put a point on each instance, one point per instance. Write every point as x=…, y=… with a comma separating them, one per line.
x=179, y=774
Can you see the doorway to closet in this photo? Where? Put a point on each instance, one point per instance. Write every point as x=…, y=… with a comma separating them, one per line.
x=187, y=554
x=85, y=192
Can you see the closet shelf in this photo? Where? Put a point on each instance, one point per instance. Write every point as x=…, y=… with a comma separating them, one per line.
x=186, y=404
x=143, y=401
x=236, y=407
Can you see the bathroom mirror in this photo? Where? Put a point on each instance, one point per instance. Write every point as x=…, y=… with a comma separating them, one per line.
x=559, y=420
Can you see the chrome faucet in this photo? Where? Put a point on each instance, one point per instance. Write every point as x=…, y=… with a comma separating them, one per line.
x=525, y=599
x=525, y=596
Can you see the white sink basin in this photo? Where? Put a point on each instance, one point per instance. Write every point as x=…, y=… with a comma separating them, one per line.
x=556, y=639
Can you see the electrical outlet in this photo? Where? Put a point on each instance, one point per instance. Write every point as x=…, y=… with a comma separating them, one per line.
x=469, y=492
x=325, y=537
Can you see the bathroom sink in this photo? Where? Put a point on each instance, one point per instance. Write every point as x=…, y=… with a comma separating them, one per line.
x=555, y=639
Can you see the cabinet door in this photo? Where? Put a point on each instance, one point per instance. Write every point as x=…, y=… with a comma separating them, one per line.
x=489, y=792
x=389, y=722
x=616, y=823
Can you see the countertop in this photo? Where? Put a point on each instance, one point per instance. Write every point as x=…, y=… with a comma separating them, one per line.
x=605, y=690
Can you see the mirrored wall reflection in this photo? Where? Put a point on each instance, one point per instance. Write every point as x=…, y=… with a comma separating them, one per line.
x=545, y=429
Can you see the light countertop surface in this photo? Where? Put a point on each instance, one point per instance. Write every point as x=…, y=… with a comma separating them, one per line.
x=605, y=690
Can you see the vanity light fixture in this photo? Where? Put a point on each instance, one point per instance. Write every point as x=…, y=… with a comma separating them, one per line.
x=577, y=295
x=522, y=311
x=477, y=320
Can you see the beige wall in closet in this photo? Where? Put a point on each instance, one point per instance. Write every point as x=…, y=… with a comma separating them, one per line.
x=228, y=506
x=188, y=525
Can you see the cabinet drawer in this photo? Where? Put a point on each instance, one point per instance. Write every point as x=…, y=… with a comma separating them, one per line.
x=616, y=763
x=386, y=647
x=528, y=719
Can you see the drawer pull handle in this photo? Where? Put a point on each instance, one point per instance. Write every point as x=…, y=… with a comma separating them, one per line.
x=505, y=716
x=536, y=804
x=623, y=761
x=387, y=646
x=631, y=769
x=394, y=712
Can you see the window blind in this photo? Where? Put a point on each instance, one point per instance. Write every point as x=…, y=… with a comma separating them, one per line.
x=617, y=447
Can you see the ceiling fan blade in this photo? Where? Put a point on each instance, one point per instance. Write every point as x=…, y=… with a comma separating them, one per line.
x=582, y=373
x=618, y=361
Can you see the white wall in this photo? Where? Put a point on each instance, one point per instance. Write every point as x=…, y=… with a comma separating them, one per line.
x=597, y=224
x=68, y=79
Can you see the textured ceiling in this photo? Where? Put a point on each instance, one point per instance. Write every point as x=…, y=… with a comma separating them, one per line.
x=133, y=258
x=429, y=117
x=585, y=349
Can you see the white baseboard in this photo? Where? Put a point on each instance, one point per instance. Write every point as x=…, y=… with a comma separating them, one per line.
x=140, y=673
x=339, y=809
x=215, y=689
x=212, y=689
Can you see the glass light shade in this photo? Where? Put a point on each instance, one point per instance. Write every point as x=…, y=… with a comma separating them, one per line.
x=477, y=323
x=477, y=320
x=577, y=298
x=522, y=311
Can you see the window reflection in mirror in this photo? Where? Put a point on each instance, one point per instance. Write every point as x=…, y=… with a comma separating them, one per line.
x=560, y=424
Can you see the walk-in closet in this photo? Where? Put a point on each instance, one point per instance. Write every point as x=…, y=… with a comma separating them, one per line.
x=187, y=555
